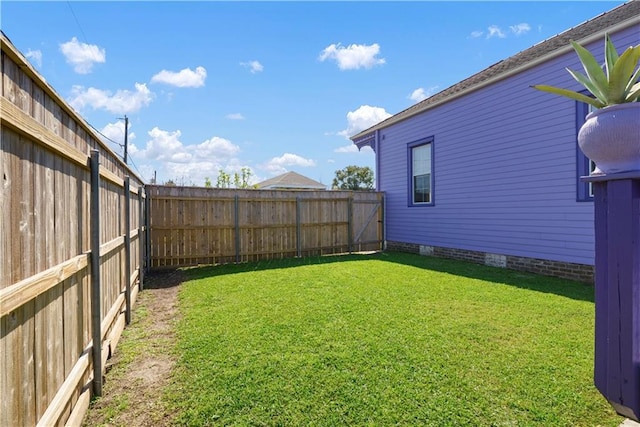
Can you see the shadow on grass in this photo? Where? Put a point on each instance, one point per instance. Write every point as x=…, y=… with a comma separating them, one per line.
x=164, y=278
x=562, y=287
x=523, y=280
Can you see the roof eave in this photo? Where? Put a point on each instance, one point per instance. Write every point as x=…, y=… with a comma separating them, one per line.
x=399, y=117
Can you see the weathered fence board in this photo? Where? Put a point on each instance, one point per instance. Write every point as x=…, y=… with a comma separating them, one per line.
x=192, y=225
x=45, y=248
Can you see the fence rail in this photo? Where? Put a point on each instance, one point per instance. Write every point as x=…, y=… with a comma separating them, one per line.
x=63, y=295
x=191, y=226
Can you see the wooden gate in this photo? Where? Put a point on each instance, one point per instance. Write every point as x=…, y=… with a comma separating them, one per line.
x=368, y=221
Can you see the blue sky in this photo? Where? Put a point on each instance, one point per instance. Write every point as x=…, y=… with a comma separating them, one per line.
x=273, y=86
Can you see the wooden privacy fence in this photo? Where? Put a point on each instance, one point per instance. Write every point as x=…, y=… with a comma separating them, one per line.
x=192, y=226
x=72, y=251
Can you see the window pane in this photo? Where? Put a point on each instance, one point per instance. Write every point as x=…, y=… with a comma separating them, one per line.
x=422, y=159
x=421, y=173
x=592, y=167
x=422, y=188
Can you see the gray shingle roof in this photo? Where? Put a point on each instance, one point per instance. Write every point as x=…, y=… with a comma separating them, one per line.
x=627, y=12
x=291, y=180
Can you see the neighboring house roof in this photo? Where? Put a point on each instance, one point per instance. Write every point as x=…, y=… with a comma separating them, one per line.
x=291, y=180
x=620, y=17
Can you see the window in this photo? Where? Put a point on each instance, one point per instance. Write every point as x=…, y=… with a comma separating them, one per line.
x=584, y=165
x=592, y=167
x=420, y=161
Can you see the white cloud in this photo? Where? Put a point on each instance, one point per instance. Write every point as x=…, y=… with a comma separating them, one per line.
x=166, y=145
x=354, y=56
x=363, y=118
x=191, y=163
x=183, y=78
x=278, y=165
x=35, y=56
x=192, y=173
x=234, y=116
x=421, y=93
x=352, y=148
x=81, y=55
x=163, y=145
x=216, y=147
x=495, y=31
x=520, y=29
x=115, y=132
x=253, y=66
x=121, y=102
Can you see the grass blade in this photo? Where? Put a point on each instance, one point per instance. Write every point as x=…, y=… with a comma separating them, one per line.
x=379, y=340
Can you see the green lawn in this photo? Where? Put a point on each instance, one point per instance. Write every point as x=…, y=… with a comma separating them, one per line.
x=384, y=339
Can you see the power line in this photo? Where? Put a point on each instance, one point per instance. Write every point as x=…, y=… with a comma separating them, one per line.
x=126, y=158
x=77, y=22
x=129, y=159
x=135, y=167
x=105, y=136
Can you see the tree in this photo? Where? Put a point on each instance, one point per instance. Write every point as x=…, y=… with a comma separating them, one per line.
x=353, y=178
x=242, y=180
x=207, y=182
x=239, y=180
x=224, y=180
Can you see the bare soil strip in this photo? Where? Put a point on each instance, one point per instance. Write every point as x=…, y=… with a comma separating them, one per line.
x=140, y=369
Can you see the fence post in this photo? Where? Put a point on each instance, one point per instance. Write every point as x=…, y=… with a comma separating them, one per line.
x=382, y=229
x=147, y=228
x=237, y=227
x=350, y=223
x=617, y=290
x=127, y=248
x=298, y=229
x=96, y=317
x=141, y=248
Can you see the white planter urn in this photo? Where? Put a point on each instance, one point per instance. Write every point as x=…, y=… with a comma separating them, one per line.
x=611, y=138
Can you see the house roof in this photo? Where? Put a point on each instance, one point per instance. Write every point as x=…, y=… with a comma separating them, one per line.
x=620, y=17
x=291, y=180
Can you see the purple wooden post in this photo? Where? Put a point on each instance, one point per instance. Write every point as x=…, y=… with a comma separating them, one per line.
x=617, y=290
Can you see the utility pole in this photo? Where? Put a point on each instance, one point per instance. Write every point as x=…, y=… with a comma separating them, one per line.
x=126, y=137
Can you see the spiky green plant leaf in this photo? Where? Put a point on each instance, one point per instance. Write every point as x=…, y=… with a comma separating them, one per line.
x=570, y=94
x=634, y=94
x=586, y=82
x=610, y=55
x=594, y=71
x=633, y=82
x=621, y=73
x=619, y=84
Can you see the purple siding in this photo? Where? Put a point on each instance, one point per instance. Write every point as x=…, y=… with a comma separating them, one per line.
x=505, y=169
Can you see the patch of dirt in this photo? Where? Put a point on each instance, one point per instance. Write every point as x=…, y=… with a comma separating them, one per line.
x=141, y=366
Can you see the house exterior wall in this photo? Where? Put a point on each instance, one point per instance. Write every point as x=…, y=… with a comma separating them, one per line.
x=505, y=169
